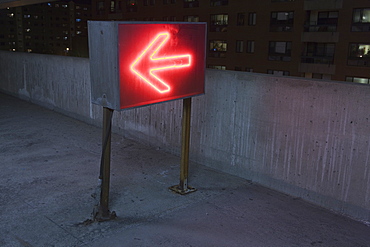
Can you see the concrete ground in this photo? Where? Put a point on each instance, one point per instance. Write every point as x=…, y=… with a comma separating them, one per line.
x=49, y=170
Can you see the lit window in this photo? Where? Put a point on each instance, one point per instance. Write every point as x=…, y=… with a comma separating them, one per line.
x=359, y=55
x=361, y=20
x=362, y=80
x=219, y=23
x=360, y=50
x=361, y=15
x=112, y=6
x=78, y=20
x=218, y=45
x=65, y=6
x=217, y=48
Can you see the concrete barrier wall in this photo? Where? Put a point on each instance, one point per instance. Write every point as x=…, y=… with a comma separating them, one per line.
x=306, y=138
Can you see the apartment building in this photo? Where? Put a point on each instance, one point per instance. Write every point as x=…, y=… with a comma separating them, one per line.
x=307, y=38
x=57, y=27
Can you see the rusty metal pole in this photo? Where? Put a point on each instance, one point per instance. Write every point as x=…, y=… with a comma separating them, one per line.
x=183, y=188
x=103, y=210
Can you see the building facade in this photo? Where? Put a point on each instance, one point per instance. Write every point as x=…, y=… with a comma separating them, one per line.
x=306, y=38
x=58, y=27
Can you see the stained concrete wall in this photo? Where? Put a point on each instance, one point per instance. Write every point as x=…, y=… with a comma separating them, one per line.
x=307, y=138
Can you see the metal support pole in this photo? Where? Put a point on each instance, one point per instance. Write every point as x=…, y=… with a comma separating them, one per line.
x=103, y=213
x=183, y=187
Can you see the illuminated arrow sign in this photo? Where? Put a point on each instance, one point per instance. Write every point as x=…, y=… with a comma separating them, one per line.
x=157, y=62
x=148, y=62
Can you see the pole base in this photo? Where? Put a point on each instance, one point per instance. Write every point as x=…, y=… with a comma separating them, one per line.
x=177, y=189
x=104, y=215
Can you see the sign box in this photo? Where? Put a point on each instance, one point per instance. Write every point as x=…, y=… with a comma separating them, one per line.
x=140, y=63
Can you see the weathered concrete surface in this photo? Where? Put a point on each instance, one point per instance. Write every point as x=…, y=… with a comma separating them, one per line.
x=49, y=167
x=307, y=138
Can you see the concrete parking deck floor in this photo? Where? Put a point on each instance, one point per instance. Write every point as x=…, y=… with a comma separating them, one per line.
x=49, y=167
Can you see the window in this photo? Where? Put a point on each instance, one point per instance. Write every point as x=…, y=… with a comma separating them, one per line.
x=146, y=2
x=152, y=2
x=191, y=18
x=100, y=6
x=361, y=20
x=252, y=19
x=322, y=53
x=217, y=48
x=326, y=21
x=361, y=15
x=219, y=23
x=280, y=50
x=359, y=55
x=131, y=6
x=219, y=2
x=281, y=21
x=239, y=46
x=362, y=80
x=250, y=46
x=240, y=19
x=191, y=3
x=112, y=6
x=277, y=72
x=238, y=68
x=165, y=1
x=249, y=69
x=222, y=67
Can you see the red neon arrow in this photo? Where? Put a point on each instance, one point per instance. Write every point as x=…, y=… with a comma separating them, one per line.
x=146, y=64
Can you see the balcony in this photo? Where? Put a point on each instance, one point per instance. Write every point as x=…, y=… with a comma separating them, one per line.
x=191, y=4
x=319, y=4
x=320, y=33
x=317, y=64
